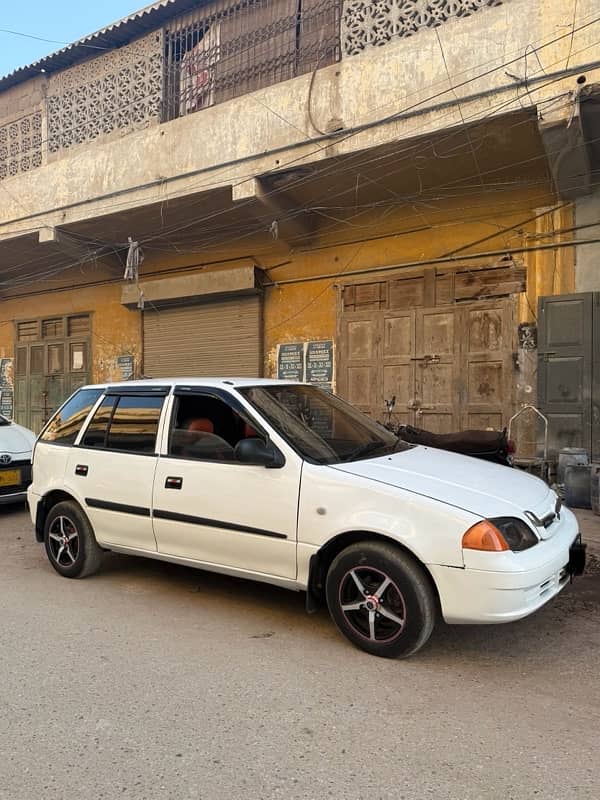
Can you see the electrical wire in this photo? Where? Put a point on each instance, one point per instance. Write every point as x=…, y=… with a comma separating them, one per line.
x=396, y=114
x=195, y=223
x=316, y=174
x=52, y=41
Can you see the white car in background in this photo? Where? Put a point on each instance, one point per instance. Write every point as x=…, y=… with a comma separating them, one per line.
x=285, y=483
x=16, y=448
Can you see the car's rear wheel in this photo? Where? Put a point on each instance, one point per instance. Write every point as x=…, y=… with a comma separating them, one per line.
x=381, y=599
x=70, y=543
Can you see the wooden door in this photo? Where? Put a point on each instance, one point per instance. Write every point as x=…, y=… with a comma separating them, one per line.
x=437, y=359
x=486, y=394
x=398, y=365
x=449, y=366
x=52, y=360
x=359, y=375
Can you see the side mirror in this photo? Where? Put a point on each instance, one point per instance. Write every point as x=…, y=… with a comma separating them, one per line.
x=258, y=453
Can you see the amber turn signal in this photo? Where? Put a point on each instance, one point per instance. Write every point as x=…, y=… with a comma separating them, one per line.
x=484, y=536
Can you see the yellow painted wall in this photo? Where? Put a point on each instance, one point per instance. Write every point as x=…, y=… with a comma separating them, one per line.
x=115, y=330
x=296, y=312
x=307, y=311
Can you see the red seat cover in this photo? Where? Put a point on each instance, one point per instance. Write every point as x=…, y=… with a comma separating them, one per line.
x=201, y=424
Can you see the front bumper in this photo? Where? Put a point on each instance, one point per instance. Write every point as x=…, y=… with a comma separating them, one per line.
x=479, y=596
x=16, y=493
x=14, y=497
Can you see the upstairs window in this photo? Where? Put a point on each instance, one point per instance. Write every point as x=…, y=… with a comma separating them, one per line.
x=224, y=49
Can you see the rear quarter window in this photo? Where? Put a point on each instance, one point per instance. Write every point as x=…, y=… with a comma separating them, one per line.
x=65, y=425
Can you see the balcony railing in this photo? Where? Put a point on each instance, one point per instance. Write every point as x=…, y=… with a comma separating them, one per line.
x=227, y=49
x=217, y=52
x=372, y=23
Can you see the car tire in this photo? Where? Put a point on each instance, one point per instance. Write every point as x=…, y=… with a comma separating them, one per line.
x=70, y=543
x=381, y=599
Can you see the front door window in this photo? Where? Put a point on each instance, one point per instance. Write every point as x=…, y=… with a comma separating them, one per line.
x=212, y=508
x=207, y=428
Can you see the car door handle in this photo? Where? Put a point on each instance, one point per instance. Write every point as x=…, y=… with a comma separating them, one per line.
x=173, y=483
x=81, y=469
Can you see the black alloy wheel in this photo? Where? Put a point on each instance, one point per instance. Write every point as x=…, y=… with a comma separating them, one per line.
x=70, y=543
x=381, y=599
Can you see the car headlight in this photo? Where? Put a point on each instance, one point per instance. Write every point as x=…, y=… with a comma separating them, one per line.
x=498, y=534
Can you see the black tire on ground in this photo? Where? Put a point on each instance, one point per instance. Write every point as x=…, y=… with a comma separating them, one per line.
x=70, y=543
x=381, y=599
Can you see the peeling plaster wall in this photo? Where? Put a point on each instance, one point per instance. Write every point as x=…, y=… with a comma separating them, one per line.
x=308, y=311
x=406, y=75
x=115, y=331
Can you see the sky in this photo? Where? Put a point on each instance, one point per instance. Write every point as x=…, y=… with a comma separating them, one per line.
x=61, y=20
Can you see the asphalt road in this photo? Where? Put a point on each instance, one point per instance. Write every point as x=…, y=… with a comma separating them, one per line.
x=151, y=681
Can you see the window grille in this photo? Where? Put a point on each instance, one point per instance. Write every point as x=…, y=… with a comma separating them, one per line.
x=227, y=49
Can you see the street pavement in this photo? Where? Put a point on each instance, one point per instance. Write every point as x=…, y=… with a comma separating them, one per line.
x=151, y=680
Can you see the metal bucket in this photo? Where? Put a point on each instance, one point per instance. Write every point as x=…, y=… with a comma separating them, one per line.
x=577, y=486
x=570, y=456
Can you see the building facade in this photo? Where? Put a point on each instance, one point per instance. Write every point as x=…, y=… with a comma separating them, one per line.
x=372, y=196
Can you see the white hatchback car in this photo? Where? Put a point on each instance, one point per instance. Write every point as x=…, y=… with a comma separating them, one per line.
x=16, y=447
x=284, y=483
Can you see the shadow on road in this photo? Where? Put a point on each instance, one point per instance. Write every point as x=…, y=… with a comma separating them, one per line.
x=546, y=637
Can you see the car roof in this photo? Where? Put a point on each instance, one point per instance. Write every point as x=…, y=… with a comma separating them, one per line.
x=187, y=381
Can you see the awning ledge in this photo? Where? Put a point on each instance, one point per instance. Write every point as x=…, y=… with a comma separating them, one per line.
x=200, y=287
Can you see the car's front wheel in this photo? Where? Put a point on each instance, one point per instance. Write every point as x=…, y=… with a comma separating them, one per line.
x=70, y=543
x=381, y=599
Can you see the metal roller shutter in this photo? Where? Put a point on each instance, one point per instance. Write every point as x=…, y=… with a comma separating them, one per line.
x=212, y=339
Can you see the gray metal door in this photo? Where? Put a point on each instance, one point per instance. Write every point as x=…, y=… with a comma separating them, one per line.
x=595, y=450
x=565, y=352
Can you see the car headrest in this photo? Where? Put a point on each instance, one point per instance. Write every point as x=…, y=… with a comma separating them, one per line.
x=201, y=424
x=249, y=431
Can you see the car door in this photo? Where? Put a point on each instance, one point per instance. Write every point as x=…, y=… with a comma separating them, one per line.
x=112, y=469
x=208, y=506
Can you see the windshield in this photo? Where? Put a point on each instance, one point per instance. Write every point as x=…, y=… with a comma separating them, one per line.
x=320, y=426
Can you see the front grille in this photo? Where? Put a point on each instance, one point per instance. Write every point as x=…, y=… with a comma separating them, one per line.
x=25, y=468
x=555, y=581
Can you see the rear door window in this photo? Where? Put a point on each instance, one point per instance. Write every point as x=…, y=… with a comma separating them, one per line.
x=134, y=424
x=125, y=423
x=63, y=428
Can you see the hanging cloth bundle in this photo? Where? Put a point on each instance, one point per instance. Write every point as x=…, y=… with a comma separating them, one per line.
x=135, y=256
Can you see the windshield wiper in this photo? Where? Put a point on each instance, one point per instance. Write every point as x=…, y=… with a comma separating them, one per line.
x=365, y=450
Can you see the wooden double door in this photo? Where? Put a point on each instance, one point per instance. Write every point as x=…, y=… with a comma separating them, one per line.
x=449, y=368
x=52, y=360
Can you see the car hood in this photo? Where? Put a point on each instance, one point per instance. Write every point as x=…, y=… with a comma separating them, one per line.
x=472, y=484
x=16, y=439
